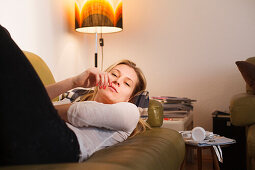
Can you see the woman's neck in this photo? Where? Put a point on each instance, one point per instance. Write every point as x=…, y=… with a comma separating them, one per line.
x=99, y=99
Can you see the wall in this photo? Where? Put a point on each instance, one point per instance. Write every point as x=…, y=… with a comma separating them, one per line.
x=188, y=48
x=46, y=28
x=185, y=48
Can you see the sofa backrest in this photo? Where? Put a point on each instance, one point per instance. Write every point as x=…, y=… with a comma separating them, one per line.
x=248, y=88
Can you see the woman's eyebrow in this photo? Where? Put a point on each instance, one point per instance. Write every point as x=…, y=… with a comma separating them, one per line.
x=116, y=70
x=121, y=74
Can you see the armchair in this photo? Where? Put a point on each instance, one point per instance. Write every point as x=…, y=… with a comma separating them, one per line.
x=242, y=109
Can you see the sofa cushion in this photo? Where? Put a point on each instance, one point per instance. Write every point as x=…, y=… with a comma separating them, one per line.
x=247, y=70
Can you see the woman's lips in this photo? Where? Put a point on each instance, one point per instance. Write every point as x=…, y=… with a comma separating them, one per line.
x=113, y=88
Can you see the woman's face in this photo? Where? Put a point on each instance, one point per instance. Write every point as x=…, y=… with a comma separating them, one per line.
x=124, y=80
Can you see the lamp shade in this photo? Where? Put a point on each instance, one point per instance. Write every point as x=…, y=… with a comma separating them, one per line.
x=98, y=16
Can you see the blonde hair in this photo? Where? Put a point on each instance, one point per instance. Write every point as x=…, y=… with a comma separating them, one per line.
x=139, y=88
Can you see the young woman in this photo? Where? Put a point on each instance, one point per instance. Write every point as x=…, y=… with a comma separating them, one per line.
x=34, y=131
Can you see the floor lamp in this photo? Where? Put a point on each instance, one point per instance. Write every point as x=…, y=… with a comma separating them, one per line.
x=98, y=16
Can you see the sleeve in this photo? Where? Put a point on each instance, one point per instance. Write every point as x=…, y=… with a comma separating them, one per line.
x=122, y=116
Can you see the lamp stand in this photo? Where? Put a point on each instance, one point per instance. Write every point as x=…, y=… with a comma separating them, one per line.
x=101, y=42
x=95, y=59
x=96, y=52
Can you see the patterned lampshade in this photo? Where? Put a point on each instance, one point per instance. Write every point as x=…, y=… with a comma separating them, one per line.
x=98, y=16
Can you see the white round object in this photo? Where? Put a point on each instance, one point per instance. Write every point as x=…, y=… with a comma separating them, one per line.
x=198, y=134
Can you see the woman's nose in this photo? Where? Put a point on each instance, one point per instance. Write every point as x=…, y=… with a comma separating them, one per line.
x=116, y=82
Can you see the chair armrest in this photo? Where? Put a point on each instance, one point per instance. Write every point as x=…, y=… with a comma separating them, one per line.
x=242, y=109
x=251, y=141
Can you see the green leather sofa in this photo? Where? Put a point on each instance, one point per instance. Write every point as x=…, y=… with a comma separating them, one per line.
x=155, y=149
x=242, y=109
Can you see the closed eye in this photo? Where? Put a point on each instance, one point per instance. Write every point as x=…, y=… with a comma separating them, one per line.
x=114, y=74
x=127, y=84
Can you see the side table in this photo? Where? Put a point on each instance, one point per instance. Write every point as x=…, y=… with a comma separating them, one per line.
x=207, y=144
x=199, y=156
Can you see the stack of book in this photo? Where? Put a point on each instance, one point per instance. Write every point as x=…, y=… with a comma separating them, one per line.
x=175, y=107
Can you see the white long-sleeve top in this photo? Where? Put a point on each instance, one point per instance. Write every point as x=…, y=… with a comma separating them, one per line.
x=99, y=125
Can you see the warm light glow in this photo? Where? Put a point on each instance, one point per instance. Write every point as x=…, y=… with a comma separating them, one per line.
x=98, y=16
x=98, y=29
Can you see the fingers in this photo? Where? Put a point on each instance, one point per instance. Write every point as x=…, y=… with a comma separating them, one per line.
x=97, y=79
x=104, y=80
x=101, y=84
x=109, y=80
x=92, y=77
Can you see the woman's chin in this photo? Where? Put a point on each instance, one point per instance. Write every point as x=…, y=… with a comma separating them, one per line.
x=109, y=96
x=106, y=97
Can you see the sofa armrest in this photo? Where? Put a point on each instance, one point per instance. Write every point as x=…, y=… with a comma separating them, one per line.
x=158, y=148
x=242, y=109
x=41, y=69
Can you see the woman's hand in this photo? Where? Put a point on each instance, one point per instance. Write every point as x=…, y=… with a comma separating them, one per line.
x=92, y=77
x=89, y=78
